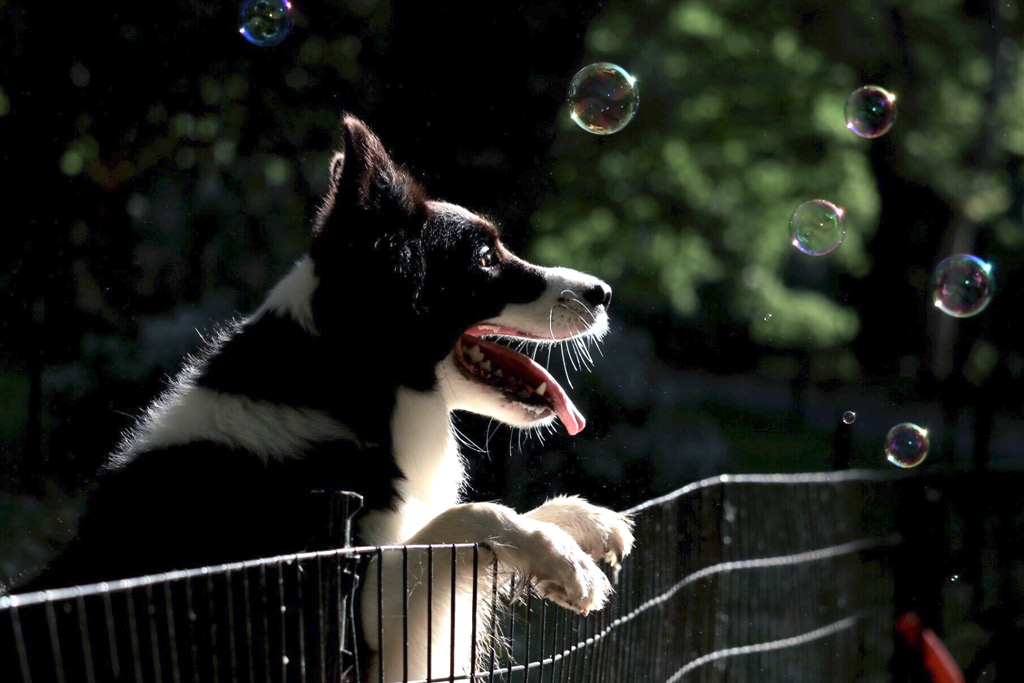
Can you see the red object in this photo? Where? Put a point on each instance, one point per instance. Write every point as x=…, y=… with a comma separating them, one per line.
x=935, y=658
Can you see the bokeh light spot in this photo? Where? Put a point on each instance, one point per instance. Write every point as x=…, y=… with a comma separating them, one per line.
x=71, y=162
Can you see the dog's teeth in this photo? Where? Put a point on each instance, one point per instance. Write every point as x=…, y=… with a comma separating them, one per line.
x=542, y=388
x=486, y=365
x=499, y=373
x=475, y=354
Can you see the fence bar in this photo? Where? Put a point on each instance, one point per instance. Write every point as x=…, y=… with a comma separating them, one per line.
x=430, y=611
x=473, y=603
x=380, y=613
x=453, y=599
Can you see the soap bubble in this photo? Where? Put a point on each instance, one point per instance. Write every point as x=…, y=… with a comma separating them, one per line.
x=870, y=111
x=906, y=445
x=265, y=22
x=603, y=98
x=817, y=227
x=963, y=285
x=768, y=317
x=848, y=417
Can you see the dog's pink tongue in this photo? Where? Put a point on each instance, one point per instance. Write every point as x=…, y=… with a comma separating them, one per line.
x=570, y=416
x=581, y=422
x=534, y=375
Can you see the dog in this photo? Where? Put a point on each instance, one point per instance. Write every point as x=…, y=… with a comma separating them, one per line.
x=346, y=378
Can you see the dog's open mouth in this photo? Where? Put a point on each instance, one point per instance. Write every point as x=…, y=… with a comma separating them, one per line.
x=515, y=374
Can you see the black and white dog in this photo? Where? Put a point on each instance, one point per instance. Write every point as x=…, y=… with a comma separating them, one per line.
x=346, y=378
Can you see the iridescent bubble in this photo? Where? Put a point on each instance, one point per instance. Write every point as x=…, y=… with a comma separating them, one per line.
x=870, y=111
x=906, y=445
x=817, y=227
x=603, y=98
x=265, y=22
x=963, y=285
x=768, y=317
x=849, y=417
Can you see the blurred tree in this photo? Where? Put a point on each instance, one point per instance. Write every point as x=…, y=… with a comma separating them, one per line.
x=700, y=188
x=741, y=120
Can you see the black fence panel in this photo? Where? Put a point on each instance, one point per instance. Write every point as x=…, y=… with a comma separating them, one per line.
x=740, y=578
x=279, y=619
x=737, y=578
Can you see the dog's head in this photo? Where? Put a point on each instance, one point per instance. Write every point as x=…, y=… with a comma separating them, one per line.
x=435, y=299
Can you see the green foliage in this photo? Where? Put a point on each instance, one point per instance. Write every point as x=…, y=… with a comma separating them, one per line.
x=741, y=120
x=966, y=119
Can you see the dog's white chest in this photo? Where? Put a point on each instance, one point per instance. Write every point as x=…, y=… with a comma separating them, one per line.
x=427, y=453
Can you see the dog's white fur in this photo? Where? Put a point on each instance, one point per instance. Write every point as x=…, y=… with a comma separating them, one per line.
x=427, y=452
x=293, y=295
x=188, y=413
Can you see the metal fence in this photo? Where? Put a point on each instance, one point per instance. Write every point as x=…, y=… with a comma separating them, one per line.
x=736, y=578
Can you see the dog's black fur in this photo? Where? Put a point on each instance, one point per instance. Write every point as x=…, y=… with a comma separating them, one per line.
x=397, y=287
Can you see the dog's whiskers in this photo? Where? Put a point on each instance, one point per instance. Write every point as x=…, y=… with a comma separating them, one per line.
x=586, y=362
x=586, y=308
x=561, y=346
x=579, y=356
x=565, y=367
x=584, y=353
x=551, y=327
x=461, y=437
x=487, y=435
x=571, y=359
x=577, y=347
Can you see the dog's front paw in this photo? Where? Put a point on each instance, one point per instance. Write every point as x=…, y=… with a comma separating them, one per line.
x=562, y=571
x=600, y=532
x=536, y=551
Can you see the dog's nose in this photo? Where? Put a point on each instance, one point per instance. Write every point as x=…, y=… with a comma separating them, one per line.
x=598, y=295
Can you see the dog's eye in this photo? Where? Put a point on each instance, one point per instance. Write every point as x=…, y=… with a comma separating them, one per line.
x=487, y=258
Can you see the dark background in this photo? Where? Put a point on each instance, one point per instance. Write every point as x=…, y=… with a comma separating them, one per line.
x=160, y=173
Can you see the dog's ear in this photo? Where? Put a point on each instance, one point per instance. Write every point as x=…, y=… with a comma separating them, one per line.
x=364, y=176
x=370, y=222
